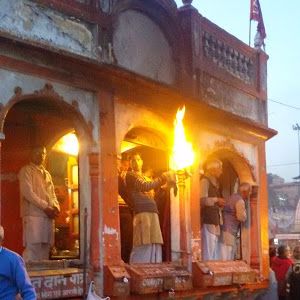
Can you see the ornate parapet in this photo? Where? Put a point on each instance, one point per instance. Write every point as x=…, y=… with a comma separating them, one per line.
x=224, y=57
x=233, y=61
x=222, y=70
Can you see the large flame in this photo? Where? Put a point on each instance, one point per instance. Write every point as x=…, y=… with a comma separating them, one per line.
x=183, y=154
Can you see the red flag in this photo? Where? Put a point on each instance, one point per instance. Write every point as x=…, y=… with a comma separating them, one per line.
x=256, y=15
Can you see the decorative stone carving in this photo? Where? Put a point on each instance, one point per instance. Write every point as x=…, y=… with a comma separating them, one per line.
x=48, y=91
x=45, y=94
x=75, y=104
x=229, y=151
x=227, y=58
x=18, y=91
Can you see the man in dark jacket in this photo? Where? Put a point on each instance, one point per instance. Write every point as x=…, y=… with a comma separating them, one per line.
x=211, y=201
x=293, y=277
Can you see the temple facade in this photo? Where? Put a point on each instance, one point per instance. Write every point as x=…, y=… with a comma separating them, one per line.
x=111, y=74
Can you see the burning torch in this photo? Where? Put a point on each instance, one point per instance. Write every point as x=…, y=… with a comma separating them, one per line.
x=181, y=159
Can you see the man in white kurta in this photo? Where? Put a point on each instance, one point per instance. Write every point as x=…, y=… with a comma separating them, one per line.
x=39, y=207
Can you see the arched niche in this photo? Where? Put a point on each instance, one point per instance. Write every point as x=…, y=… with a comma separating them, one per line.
x=25, y=121
x=241, y=165
x=140, y=125
x=152, y=145
x=238, y=167
x=147, y=137
x=51, y=100
x=147, y=39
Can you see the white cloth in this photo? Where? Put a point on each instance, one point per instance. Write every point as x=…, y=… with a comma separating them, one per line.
x=37, y=230
x=209, y=244
x=151, y=253
x=226, y=252
x=92, y=294
x=38, y=251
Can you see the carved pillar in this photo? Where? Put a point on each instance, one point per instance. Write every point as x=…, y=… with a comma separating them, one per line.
x=263, y=211
x=95, y=212
x=109, y=181
x=185, y=251
x=190, y=22
x=254, y=233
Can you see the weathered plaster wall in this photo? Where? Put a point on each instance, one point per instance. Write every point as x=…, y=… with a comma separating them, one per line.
x=226, y=97
x=208, y=141
x=140, y=46
x=27, y=20
x=87, y=104
x=129, y=116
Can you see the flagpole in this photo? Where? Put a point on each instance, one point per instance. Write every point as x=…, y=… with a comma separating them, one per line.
x=250, y=18
x=249, y=32
x=256, y=15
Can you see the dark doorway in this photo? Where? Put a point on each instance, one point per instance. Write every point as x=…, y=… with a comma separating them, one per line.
x=27, y=124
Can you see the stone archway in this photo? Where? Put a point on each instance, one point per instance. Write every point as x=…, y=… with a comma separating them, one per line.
x=153, y=146
x=48, y=95
x=148, y=137
x=242, y=166
x=227, y=152
x=27, y=120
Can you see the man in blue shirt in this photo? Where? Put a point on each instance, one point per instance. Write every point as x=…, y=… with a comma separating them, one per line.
x=13, y=276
